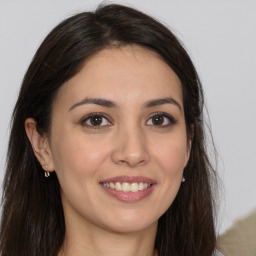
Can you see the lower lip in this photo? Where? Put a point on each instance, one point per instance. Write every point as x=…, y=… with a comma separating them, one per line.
x=129, y=196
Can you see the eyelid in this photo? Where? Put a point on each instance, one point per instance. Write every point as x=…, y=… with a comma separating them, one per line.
x=170, y=118
x=102, y=115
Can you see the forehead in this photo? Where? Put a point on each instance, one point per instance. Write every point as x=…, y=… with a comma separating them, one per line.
x=130, y=73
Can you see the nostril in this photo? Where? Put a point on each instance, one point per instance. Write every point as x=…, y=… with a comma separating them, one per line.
x=131, y=152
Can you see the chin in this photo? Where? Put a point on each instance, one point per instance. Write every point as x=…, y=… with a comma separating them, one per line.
x=131, y=222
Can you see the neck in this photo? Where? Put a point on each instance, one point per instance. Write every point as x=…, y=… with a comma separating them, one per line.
x=96, y=241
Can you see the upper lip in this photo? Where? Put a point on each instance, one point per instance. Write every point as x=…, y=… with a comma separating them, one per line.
x=129, y=179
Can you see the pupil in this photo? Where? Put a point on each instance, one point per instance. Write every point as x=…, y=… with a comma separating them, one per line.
x=96, y=120
x=158, y=120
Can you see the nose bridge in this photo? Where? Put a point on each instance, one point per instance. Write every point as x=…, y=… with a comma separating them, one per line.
x=131, y=145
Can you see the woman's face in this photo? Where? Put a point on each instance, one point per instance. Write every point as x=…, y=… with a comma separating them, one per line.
x=118, y=140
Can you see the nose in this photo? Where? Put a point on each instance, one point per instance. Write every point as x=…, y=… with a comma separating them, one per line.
x=130, y=148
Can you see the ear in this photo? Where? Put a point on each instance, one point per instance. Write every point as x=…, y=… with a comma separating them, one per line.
x=40, y=145
x=189, y=145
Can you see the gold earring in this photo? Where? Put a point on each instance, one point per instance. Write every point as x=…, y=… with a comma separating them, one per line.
x=46, y=173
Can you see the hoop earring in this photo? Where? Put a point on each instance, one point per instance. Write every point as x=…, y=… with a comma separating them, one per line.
x=46, y=173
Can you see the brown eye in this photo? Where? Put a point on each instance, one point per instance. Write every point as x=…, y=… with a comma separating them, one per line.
x=161, y=120
x=95, y=121
x=157, y=120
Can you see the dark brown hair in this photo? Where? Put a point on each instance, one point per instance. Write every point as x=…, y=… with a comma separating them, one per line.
x=32, y=218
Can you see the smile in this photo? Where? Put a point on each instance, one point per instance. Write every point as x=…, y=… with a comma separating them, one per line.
x=128, y=189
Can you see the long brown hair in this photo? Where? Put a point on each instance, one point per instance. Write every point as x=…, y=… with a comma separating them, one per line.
x=32, y=217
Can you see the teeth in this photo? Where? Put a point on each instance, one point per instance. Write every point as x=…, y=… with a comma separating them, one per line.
x=118, y=186
x=127, y=187
x=141, y=186
x=134, y=187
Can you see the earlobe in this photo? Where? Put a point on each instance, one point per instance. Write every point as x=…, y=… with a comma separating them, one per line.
x=39, y=143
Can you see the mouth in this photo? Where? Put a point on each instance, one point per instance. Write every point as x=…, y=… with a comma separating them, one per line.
x=128, y=189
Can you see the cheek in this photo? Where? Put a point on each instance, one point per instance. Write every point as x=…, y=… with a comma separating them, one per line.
x=171, y=157
x=77, y=156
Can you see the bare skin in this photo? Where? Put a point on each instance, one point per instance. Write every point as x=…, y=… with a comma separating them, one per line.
x=136, y=129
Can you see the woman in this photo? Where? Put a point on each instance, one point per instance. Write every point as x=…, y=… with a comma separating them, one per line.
x=107, y=151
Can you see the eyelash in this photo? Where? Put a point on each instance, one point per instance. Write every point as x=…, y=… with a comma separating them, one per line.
x=171, y=121
x=88, y=117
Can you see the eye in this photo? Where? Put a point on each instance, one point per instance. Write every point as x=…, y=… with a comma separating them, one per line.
x=95, y=121
x=161, y=120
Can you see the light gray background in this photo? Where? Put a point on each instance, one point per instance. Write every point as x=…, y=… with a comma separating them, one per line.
x=220, y=36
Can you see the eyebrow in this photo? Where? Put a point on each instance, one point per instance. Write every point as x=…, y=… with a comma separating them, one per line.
x=96, y=101
x=157, y=102
x=110, y=104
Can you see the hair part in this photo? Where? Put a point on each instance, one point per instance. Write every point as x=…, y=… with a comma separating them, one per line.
x=32, y=219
